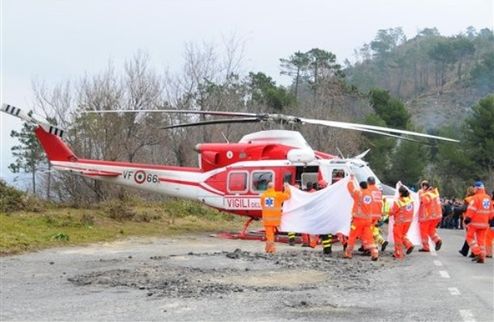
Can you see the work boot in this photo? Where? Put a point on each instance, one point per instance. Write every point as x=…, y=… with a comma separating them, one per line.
x=471, y=255
x=480, y=260
x=423, y=250
x=374, y=258
x=327, y=251
x=291, y=242
x=361, y=249
x=344, y=247
x=438, y=244
x=409, y=250
x=464, y=249
x=305, y=245
x=383, y=246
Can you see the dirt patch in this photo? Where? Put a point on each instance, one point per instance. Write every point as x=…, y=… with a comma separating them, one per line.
x=195, y=275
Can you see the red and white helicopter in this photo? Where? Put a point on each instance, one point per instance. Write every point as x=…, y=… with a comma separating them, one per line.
x=230, y=176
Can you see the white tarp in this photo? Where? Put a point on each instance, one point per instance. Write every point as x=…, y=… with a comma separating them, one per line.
x=322, y=212
x=414, y=231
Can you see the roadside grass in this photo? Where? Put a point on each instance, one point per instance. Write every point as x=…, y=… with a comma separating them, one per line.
x=55, y=226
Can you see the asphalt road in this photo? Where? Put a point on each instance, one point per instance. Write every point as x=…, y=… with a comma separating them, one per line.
x=200, y=278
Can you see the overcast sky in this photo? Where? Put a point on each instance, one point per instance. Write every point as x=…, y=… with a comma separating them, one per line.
x=58, y=40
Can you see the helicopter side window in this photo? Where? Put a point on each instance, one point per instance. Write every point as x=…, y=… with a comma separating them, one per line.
x=260, y=180
x=237, y=181
x=337, y=175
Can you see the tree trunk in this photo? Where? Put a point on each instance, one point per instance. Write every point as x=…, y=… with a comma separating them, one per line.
x=48, y=188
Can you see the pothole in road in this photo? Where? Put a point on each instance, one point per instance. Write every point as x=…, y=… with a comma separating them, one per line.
x=207, y=274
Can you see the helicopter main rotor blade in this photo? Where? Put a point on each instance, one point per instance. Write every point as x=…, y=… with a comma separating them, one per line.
x=218, y=113
x=282, y=118
x=366, y=128
x=222, y=121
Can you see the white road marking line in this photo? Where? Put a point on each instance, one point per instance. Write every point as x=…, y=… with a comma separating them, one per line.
x=467, y=315
x=437, y=263
x=444, y=274
x=453, y=291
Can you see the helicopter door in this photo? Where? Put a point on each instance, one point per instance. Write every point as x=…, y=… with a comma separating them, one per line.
x=338, y=173
x=304, y=175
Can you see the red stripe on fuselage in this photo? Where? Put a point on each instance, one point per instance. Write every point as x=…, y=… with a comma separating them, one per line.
x=139, y=165
x=190, y=183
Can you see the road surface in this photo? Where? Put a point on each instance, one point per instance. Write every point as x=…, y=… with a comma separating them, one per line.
x=202, y=278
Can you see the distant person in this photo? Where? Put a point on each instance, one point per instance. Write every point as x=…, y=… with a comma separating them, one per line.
x=477, y=218
x=361, y=219
x=271, y=204
x=402, y=211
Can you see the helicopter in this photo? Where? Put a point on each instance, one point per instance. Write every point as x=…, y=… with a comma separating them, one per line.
x=230, y=176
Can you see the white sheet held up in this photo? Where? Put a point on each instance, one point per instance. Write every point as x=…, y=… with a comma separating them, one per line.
x=322, y=212
x=414, y=231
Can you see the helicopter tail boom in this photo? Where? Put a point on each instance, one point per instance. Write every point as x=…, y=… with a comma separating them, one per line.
x=55, y=148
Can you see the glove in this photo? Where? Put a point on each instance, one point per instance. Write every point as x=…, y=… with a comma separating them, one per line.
x=467, y=220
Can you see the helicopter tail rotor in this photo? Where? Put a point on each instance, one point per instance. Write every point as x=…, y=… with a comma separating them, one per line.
x=30, y=117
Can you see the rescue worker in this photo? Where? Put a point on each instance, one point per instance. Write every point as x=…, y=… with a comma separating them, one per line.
x=402, y=211
x=477, y=217
x=292, y=236
x=466, y=201
x=361, y=219
x=427, y=218
x=271, y=204
x=436, y=216
x=326, y=239
x=490, y=232
x=309, y=240
x=377, y=208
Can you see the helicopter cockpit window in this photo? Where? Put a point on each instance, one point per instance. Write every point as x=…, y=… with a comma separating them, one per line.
x=260, y=180
x=337, y=175
x=237, y=182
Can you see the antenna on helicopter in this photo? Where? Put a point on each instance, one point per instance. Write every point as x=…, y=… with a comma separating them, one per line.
x=224, y=136
x=340, y=153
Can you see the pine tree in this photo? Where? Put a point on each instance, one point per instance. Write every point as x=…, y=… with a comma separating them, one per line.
x=28, y=153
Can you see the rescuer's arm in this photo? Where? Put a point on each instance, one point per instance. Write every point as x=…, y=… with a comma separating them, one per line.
x=287, y=193
x=470, y=211
x=351, y=185
x=394, y=209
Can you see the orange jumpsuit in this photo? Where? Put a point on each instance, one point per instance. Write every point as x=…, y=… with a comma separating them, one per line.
x=377, y=203
x=428, y=219
x=271, y=204
x=489, y=235
x=361, y=221
x=402, y=211
x=479, y=211
x=436, y=215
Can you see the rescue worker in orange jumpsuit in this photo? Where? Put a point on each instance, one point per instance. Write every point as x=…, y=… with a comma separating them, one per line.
x=309, y=240
x=477, y=216
x=361, y=219
x=466, y=201
x=402, y=211
x=427, y=217
x=271, y=204
x=490, y=232
x=377, y=212
x=326, y=239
